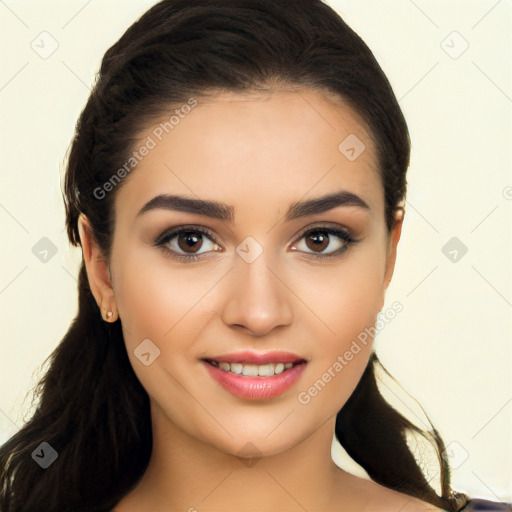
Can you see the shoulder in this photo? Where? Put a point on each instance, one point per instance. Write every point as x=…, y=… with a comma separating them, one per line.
x=383, y=499
x=388, y=500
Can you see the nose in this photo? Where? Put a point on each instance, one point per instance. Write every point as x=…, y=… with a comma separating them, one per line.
x=258, y=298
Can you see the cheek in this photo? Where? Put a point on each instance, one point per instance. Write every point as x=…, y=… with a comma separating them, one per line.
x=165, y=305
x=168, y=305
x=346, y=300
x=154, y=299
x=343, y=297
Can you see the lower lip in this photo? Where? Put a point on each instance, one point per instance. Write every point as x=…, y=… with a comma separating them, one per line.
x=256, y=388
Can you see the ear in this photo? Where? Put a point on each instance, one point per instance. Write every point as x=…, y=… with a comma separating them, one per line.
x=394, y=237
x=98, y=271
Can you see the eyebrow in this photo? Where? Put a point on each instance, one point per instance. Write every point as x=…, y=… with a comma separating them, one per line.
x=222, y=211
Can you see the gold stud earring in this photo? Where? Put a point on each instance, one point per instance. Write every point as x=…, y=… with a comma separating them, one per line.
x=109, y=316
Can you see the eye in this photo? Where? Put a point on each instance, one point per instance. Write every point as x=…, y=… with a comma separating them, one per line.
x=180, y=243
x=319, y=238
x=184, y=242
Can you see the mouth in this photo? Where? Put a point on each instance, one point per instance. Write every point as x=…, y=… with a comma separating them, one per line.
x=254, y=370
x=254, y=376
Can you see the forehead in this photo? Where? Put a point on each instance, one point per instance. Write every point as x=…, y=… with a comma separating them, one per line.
x=254, y=149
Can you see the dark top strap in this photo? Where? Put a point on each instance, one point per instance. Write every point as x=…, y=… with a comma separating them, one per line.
x=478, y=504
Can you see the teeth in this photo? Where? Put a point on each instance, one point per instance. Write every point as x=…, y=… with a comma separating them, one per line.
x=253, y=370
x=265, y=370
x=235, y=368
x=250, y=370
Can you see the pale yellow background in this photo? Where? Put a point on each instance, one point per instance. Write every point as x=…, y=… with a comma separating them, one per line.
x=449, y=347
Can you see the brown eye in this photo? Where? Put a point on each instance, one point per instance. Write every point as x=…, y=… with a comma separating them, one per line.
x=317, y=240
x=184, y=243
x=189, y=241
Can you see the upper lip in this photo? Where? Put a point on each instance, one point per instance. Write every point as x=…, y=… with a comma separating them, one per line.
x=257, y=357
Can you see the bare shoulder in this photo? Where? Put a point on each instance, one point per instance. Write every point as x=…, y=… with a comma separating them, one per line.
x=405, y=503
x=377, y=498
x=387, y=500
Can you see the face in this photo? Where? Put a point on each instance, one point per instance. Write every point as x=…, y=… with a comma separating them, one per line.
x=255, y=284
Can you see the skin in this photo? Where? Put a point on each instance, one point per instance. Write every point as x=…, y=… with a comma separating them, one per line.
x=258, y=153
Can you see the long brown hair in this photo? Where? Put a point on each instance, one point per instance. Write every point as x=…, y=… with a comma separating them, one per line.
x=93, y=410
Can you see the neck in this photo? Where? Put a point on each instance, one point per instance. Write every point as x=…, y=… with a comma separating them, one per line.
x=186, y=474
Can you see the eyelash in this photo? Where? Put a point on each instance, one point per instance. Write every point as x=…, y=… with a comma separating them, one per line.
x=162, y=241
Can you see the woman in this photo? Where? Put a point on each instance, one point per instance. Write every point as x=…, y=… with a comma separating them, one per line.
x=236, y=184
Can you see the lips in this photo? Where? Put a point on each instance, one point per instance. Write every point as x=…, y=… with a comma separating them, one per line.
x=256, y=376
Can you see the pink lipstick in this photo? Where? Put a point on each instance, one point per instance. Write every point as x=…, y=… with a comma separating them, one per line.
x=256, y=376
